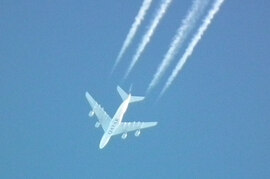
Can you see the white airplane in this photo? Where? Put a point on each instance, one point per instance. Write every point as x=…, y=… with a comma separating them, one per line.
x=114, y=126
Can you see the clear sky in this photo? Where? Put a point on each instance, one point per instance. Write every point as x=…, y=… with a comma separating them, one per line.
x=214, y=120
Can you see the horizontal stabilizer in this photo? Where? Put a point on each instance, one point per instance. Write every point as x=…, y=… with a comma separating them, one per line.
x=136, y=99
x=124, y=95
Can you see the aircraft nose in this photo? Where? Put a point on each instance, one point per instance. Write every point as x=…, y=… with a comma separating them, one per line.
x=101, y=146
x=105, y=139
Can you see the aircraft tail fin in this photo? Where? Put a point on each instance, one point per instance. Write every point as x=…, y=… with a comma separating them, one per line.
x=124, y=95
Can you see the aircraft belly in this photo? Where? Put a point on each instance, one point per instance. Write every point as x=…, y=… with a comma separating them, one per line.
x=121, y=111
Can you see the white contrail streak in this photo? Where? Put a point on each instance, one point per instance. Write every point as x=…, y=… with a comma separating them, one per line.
x=182, y=32
x=193, y=43
x=147, y=37
x=138, y=19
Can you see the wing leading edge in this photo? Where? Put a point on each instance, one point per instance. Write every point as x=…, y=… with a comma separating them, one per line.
x=125, y=127
x=102, y=116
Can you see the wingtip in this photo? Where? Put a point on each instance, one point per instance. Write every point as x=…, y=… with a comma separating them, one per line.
x=87, y=95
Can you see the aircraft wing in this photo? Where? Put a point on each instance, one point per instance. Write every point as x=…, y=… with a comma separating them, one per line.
x=125, y=127
x=102, y=116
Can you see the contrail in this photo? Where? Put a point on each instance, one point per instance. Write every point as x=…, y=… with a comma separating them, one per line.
x=182, y=32
x=146, y=38
x=193, y=43
x=138, y=19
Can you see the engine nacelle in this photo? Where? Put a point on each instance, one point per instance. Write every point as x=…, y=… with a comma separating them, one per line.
x=91, y=113
x=124, y=135
x=97, y=125
x=137, y=133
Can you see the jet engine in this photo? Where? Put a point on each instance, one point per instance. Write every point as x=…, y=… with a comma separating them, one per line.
x=97, y=125
x=91, y=113
x=124, y=135
x=137, y=133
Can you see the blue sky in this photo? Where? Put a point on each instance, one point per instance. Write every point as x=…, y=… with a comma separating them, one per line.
x=213, y=120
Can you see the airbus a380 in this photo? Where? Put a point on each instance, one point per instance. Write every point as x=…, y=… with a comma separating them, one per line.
x=114, y=126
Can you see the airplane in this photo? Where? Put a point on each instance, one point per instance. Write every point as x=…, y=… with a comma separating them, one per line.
x=114, y=126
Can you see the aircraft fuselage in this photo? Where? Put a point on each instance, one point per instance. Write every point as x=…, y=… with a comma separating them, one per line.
x=115, y=122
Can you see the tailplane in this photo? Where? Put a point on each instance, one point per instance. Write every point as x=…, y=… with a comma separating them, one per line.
x=136, y=99
x=124, y=95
